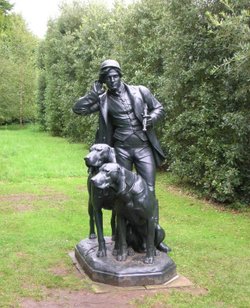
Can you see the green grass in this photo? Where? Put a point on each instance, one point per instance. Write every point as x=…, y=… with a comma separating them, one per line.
x=43, y=214
x=28, y=153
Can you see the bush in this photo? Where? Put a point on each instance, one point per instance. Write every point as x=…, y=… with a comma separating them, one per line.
x=207, y=129
x=193, y=55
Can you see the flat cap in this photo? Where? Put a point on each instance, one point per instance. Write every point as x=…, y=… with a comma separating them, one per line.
x=110, y=63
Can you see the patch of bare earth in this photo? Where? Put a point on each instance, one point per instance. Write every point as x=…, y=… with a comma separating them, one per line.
x=59, y=270
x=81, y=188
x=25, y=201
x=65, y=298
x=105, y=296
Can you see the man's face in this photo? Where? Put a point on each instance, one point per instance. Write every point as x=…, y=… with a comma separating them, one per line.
x=113, y=80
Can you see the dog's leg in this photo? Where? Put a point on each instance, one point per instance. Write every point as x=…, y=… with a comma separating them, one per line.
x=150, y=248
x=156, y=213
x=113, y=225
x=99, y=227
x=114, y=228
x=122, y=244
x=92, y=234
x=97, y=205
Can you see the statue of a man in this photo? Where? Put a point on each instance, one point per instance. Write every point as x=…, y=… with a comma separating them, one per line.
x=127, y=115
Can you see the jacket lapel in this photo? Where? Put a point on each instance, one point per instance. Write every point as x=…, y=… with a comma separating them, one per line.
x=135, y=98
x=136, y=101
x=104, y=108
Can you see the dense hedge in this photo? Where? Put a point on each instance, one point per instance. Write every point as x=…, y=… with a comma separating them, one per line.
x=206, y=73
x=193, y=55
x=17, y=68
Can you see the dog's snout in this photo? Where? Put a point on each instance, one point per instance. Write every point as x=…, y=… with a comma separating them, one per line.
x=94, y=180
x=87, y=162
x=99, y=180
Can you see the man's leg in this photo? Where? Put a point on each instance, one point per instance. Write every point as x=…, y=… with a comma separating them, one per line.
x=124, y=157
x=145, y=166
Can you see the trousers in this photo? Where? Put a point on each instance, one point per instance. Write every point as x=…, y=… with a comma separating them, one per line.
x=136, y=153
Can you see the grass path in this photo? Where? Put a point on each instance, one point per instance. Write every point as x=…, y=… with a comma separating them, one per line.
x=43, y=214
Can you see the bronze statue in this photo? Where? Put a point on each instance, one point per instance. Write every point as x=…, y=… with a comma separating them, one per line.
x=134, y=204
x=127, y=115
x=99, y=199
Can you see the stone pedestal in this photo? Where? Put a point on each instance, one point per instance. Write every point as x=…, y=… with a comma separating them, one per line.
x=132, y=272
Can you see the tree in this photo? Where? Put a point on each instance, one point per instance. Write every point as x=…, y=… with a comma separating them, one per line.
x=75, y=44
x=192, y=54
x=206, y=69
x=18, y=78
x=5, y=8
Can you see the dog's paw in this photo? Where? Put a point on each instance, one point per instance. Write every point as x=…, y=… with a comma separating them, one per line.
x=92, y=236
x=157, y=253
x=121, y=257
x=131, y=252
x=115, y=252
x=149, y=260
x=101, y=253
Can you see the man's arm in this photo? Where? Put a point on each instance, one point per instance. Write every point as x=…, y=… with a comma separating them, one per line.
x=90, y=102
x=87, y=104
x=155, y=108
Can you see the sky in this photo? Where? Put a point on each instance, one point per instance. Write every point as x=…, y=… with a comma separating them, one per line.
x=37, y=13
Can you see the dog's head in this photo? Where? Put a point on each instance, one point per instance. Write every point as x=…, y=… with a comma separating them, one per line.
x=108, y=176
x=99, y=154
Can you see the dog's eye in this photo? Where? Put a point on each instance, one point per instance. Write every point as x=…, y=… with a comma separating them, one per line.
x=107, y=171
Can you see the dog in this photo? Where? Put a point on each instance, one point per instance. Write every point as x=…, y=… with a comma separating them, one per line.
x=98, y=199
x=134, y=204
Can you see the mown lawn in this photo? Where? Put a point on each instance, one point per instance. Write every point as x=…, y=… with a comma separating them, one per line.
x=43, y=214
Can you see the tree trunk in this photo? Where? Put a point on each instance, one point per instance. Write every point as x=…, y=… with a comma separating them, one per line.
x=21, y=94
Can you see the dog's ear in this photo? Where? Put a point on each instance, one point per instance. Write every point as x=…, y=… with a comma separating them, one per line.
x=112, y=156
x=120, y=178
x=115, y=171
x=118, y=169
x=102, y=167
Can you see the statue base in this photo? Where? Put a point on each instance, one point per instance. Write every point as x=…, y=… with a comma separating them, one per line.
x=132, y=272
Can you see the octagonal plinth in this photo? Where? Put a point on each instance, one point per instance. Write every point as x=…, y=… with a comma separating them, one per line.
x=132, y=272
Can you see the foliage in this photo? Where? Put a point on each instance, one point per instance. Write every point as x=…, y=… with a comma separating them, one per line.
x=17, y=67
x=206, y=75
x=141, y=38
x=193, y=55
x=71, y=58
x=5, y=8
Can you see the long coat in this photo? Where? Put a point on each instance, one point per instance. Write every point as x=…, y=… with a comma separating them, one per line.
x=139, y=97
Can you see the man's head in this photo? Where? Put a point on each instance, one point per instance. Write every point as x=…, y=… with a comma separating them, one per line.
x=108, y=176
x=110, y=74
